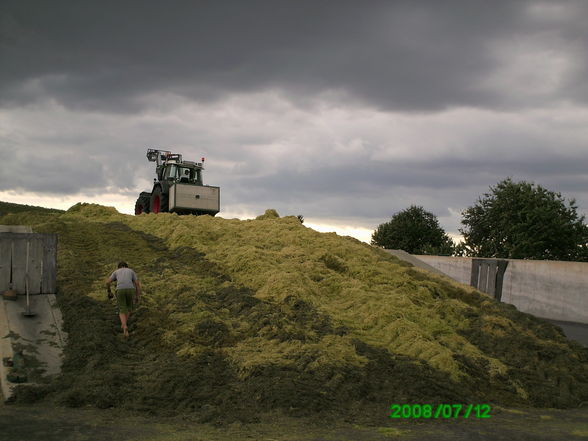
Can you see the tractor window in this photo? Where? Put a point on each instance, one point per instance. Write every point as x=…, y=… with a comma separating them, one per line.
x=171, y=172
x=182, y=174
x=186, y=174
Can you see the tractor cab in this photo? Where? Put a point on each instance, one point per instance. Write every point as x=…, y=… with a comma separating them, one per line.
x=183, y=173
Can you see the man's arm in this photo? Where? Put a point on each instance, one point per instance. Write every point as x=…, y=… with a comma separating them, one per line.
x=137, y=290
x=107, y=283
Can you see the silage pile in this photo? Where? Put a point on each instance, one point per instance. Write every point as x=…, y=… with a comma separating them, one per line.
x=246, y=316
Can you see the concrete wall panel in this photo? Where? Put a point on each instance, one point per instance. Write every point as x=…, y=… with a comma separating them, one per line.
x=19, y=260
x=36, y=251
x=555, y=290
x=49, y=279
x=41, y=262
x=5, y=264
x=458, y=268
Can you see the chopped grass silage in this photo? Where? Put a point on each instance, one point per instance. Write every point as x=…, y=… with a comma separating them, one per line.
x=9, y=208
x=246, y=316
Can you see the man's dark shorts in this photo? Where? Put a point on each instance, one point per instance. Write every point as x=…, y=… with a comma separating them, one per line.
x=124, y=297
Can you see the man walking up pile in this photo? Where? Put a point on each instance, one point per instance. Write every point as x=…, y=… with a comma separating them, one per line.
x=127, y=288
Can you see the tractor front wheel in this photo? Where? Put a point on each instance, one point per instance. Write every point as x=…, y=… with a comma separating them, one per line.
x=139, y=209
x=158, y=201
x=143, y=203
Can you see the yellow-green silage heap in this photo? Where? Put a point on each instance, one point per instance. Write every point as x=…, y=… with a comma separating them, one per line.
x=263, y=314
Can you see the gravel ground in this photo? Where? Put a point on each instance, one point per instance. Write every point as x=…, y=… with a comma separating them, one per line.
x=39, y=423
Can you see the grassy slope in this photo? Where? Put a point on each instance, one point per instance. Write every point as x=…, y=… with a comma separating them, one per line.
x=244, y=316
x=8, y=207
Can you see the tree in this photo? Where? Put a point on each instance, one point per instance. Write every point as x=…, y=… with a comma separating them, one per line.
x=522, y=220
x=415, y=231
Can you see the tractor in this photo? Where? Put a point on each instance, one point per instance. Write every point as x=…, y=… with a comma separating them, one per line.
x=178, y=188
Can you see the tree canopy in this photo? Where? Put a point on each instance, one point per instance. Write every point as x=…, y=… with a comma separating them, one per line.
x=415, y=231
x=522, y=220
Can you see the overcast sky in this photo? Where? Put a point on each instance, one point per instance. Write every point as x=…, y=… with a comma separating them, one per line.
x=343, y=111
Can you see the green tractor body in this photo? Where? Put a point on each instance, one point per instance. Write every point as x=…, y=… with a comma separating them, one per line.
x=178, y=188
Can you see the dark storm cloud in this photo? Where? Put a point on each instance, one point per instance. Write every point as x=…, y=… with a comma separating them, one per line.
x=437, y=184
x=331, y=109
x=357, y=179
x=67, y=173
x=424, y=55
x=51, y=159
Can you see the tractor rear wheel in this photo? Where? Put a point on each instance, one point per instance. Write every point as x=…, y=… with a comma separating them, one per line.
x=139, y=207
x=159, y=201
x=143, y=203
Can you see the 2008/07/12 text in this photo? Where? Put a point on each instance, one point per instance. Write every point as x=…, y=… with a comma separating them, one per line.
x=440, y=411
